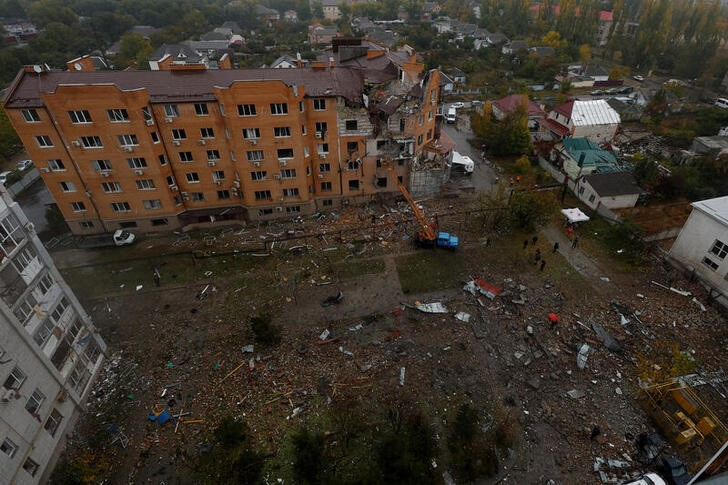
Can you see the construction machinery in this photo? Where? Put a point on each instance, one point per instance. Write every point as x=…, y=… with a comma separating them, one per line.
x=428, y=236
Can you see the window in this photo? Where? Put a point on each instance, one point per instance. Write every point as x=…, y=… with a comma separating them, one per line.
x=351, y=125
x=44, y=141
x=720, y=249
x=78, y=206
x=91, y=142
x=86, y=225
x=255, y=155
x=322, y=127
x=31, y=116
x=121, y=207
x=193, y=178
x=419, y=140
x=278, y=109
x=592, y=197
x=31, y=467
x=246, y=110
x=353, y=185
x=155, y=137
x=294, y=209
x=301, y=106
x=422, y=119
x=319, y=104
x=8, y=447
x=285, y=153
x=288, y=173
x=170, y=181
x=324, y=167
x=218, y=175
x=136, y=162
x=306, y=153
x=56, y=165
x=401, y=124
x=259, y=175
x=45, y=283
x=353, y=164
x=34, y=402
x=303, y=129
x=293, y=192
x=117, y=115
x=111, y=187
x=429, y=116
x=352, y=146
x=213, y=155
x=79, y=116
x=262, y=195
x=179, y=134
x=198, y=197
x=160, y=222
x=325, y=186
x=153, y=204
x=15, y=379
x=22, y=260
x=99, y=165
x=129, y=140
x=282, y=131
x=327, y=203
x=207, y=133
x=44, y=331
x=53, y=422
x=11, y=234
x=171, y=110
x=223, y=194
x=710, y=263
x=163, y=160
x=201, y=109
x=68, y=187
x=128, y=225
x=265, y=212
x=251, y=133
x=186, y=157
x=323, y=148
x=147, y=113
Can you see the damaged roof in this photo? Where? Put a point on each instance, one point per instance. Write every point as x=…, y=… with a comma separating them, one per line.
x=612, y=184
x=167, y=86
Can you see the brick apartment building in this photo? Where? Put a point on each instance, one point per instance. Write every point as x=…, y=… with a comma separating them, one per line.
x=156, y=150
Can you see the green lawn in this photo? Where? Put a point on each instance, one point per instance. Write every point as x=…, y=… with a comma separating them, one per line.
x=431, y=270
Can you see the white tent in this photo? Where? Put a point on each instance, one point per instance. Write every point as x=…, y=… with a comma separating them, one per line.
x=574, y=215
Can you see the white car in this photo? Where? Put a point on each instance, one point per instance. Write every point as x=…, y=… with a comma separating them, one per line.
x=25, y=164
x=457, y=105
x=4, y=177
x=649, y=479
x=722, y=103
x=638, y=78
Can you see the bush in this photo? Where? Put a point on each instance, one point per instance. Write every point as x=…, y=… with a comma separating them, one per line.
x=231, y=432
x=473, y=455
x=406, y=449
x=625, y=237
x=528, y=209
x=232, y=459
x=308, y=459
x=265, y=332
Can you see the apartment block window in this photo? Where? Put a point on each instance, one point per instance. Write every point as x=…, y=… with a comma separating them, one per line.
x=353, y=165
x=288, y=173
x=301, y=106
x=145, y=184
x=31, y=116
x=155, y=137
x=328, y=203
x=592, y=198
x=263, y=195
x=100, y=165
x=193, y=177
x=86, y=225
x=147, y=113
x=223, y=194
x=91, y=142
x=352, y=146
x=292, y=192
x=53, y=422
x=171, y=181
x=79, y=116
x=429, y=134
x=213, y=155
x=319, y=104
x=34, y=402
x=160, y=222
x=323, y=148
x=322, y=127
x=68, y=186
x=179, y=134
x=720, y=249
x=128, y=225
x=15, y=379
x=306, y=152
x=251, y=133
x=136, y=162
x=43, y=333
x=429, y=116
x=31, y=467
x=258, y=175
x=8, y=447
x=171, y=110
x=78, y=206
x=128, y=140
x=186, y=157
x=59, y=310
x=44, y=141
x=45, y=283
x=56, y=165
x=401, y=124
x=710, y=263
x=265, y=212
x=207, y=133
x=324, y=167
x=351, y=125
x=22, y=260
x=198, y=197
x=294, y=209
x=163, y=160
x=117, y=115
x=246, y=110
x=285, y=153
x=422, y=119
x=278, y=108
x=218, y=175
x=121, y=207
x=325, y=186
x=201, y=109
x=353, y=185
x=153, y=204
x=303, y=130
x=255, y=155
x=419, y=140
x=111, y=187
x=282, y=131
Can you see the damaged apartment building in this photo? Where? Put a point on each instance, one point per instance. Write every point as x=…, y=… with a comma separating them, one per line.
x=187, y=146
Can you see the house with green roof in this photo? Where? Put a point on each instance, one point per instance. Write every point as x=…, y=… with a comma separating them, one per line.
x=581, y=156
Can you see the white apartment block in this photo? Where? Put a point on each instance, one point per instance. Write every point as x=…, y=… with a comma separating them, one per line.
x=50, y=353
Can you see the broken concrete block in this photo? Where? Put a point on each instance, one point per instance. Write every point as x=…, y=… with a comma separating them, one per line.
x=576, y=394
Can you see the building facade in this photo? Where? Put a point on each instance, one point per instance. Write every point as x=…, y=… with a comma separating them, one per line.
x=50, y=353
x=156, y=150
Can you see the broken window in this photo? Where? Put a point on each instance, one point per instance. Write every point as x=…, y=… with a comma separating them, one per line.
x=710, y=263
x=351, y=125
x=381, y=181
x=720, y=249
x=353, y=164
x=352, y=146
x=353, y=185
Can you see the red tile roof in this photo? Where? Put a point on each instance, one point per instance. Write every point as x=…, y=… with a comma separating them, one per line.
x=566, y=108
x=557, y=127
x=509, y=104
x=606, y=16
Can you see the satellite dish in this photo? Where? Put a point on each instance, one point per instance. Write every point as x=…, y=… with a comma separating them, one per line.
x=37, y=69
x=77, y=66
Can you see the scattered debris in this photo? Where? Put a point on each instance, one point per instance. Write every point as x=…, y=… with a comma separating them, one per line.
x=463, y=317
x=583, y=356
x=401, y=376
x=576, y=394
x=608, y=341
x=481, y=286
x=247, y=349
x=700, y=305
x=324, y=335
x=436, y=307
x=333, y=300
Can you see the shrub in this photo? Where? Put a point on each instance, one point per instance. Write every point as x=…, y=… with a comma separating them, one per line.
x=265, y=332
x=308, y=459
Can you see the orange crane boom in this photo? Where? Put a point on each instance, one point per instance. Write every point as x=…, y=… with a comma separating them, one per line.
x=429, y=231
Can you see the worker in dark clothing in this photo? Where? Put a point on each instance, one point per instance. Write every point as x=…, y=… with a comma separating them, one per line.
x=156, y=277
x=556, y=246
x=525, y=243
x=534, y=240
x=575, y=242
x=543, y=264
x=537, y=256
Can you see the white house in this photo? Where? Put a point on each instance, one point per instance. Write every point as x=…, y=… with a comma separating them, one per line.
x=612, y=190
x=701, y=248
x=593, y=119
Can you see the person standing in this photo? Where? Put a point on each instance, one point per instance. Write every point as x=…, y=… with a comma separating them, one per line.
x=534, y=240
x=556, y=246
x=543, y=264
x=575, y=241
x=525, y=243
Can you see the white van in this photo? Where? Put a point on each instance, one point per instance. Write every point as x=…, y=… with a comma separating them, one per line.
x=722, y=103
x=451, y=115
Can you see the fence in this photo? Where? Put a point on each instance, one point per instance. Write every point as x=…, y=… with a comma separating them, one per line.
x=28, y=179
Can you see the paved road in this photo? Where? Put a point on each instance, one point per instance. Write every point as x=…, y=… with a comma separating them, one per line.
x=33, y=201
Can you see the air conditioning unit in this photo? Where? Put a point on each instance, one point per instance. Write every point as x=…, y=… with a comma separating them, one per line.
x=218, y=182
x=168, y=120
x=319, y=135
x=149, y=122
x=257, y=164
x=45, y=170
x=253, y=142
x=277, y=176
x=283, y=163
x=185, y=196
x=104, y=174
x=176, y=143
x=76, y=143
x=234, y=191
x=128, y=149
x=212, y=163
x=322, y=156
x=236, y=184
x=202, y=142
x=279, y=209
x=7, y=395
x=321, y=175
x=139, y=172
x=173, y=188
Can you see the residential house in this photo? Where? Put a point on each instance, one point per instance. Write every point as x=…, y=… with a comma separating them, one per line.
x=702, y=246
x=490, y=40
x=179, y=55
x=51, y=353
x=709, y=145
x=269, y=15
x=447, y=84
x=233, y=26
x=288, y=62
x=443, y=25
x=611, y=190
x=514, y=47
x=363, y=25
x=384, y=37
x=457, y=75
x=430, y=9
x=504, y=106
x=290, y=16
x=606, y=19
x=18, y=31
x=210, y=48
x=542, y=51
x=627, y=108
x=331, y=9
x=321, y=34
x=580, y=156
x=592, y=119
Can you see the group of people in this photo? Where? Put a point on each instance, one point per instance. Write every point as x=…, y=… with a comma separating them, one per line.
x=538, y=258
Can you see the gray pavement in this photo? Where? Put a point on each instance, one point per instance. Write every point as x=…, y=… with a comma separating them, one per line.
x=34, y=201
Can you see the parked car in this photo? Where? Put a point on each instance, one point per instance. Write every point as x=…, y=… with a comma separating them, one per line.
x=675, y=471
x=457, y=105
x=25, y=164
x=722, y=103
x=649, y=479
x=4, y=177
x=476, y=102
x=451, y=115
x=638, y=78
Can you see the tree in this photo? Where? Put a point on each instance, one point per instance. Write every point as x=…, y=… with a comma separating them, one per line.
x=317, y=9
x=553, y=39
x=472, y=455
x=44, y=12
x=406, y=448
x=510, y=136
x=232, y=459
x=134, y=50
x=585, y=53
x=308, y=456
x=528, y=209
x=9, y=141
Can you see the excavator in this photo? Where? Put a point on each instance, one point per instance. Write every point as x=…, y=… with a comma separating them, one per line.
x=428, y=236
